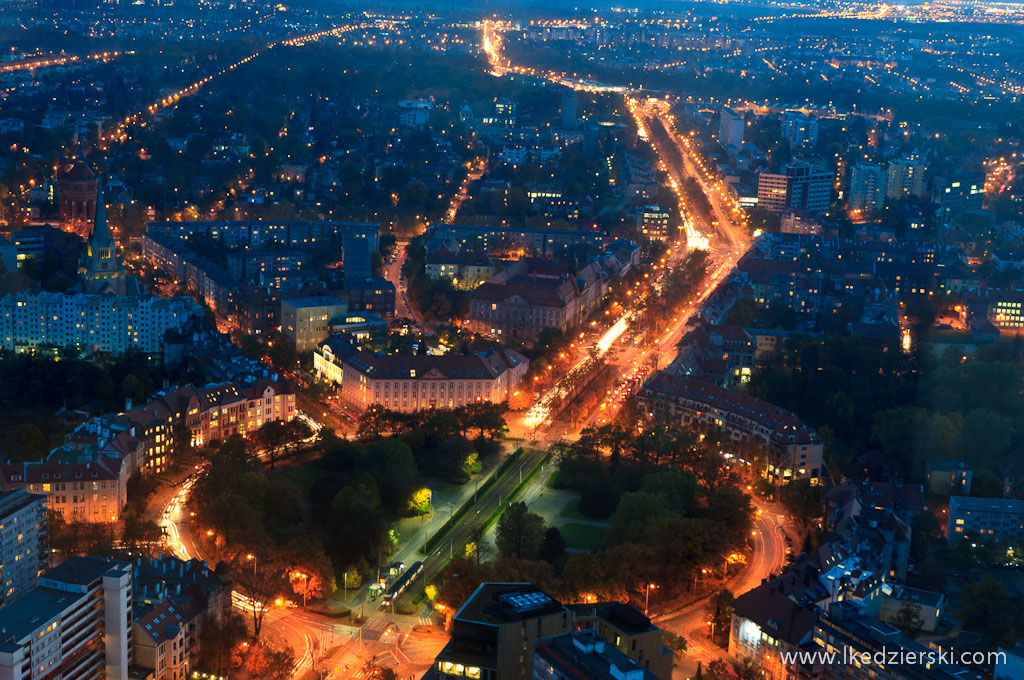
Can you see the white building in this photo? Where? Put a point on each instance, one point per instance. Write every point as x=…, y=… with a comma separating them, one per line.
x=799, y=129
x=409, y=383
x=730, y=128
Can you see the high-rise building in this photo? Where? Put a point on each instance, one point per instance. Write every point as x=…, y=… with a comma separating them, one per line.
x=799, y=129
x=810, y=189
x=77, y=623
x=801, y=187
x=867, y=187
x=23, y=544
x=772, y=192
x=906, y=178
x=730, y=128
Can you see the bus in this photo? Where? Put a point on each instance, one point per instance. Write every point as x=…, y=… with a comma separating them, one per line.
x=402, y=584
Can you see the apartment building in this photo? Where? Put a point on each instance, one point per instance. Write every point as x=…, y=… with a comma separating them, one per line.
x=905, y=178
x=195, y=595
x=160, y=642
x=77, y=623
x=985, y=519
x=38, y=320
x=697, y=403
x=81, y=484
x=24, y=550
x=653, y=222
x=867, y=187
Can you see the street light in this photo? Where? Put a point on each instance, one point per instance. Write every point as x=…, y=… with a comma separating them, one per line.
x=647, y=595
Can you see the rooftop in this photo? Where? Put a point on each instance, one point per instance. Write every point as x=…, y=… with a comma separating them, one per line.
x=584, y=654
x=496, y=603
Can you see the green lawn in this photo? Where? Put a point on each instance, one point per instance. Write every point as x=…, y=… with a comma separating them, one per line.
x=572, y=509
x=584, y=536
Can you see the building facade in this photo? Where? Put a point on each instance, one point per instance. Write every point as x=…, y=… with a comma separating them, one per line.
x=867, y=187
x=653, y=222
x=24, y=550
x=696, y=403
x=76, y=624
x=532, y=295
x=985, y=519
x=306, y=322
x=905, y=179
x=412, y=382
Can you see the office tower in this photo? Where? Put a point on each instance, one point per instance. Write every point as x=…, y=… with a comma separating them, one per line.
x=23, y=545
x=569, y=100
x=730, y=128
x=799, y=129
x=906, y=178
x=867, y=187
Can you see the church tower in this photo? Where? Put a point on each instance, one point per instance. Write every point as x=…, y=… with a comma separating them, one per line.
x=99, y=270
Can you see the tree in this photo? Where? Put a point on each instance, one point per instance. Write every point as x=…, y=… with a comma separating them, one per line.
x=306, y=584
x=520, y=532
x=805, y=503
x=909, y=619
x=218, y=637
x=271, y=439
x=719, y=610
x=552, y=549
x=262, y=576
x=986, y=607
x=675, y=642
x=296, y=431
x=136, y=531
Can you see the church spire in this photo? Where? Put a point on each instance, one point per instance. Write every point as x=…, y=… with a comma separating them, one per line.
x=101, y=236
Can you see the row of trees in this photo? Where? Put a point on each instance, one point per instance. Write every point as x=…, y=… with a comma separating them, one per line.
x=484, y=417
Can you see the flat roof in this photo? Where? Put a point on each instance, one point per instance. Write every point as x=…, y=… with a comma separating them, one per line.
x=496, y=603
x=33, y=610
